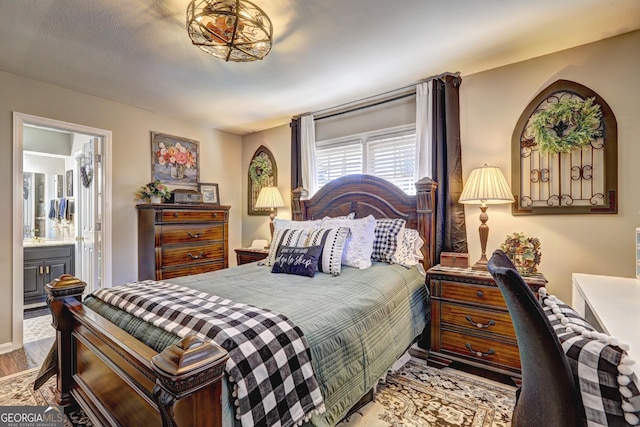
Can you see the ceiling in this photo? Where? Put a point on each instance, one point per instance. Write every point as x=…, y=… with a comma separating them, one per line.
x=325, y=52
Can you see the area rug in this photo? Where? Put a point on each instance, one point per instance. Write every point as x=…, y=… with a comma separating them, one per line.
x=17, y=390
x=416, y=395
x=419, y=395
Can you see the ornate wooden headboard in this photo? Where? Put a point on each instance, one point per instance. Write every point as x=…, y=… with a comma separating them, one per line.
x=370, y=195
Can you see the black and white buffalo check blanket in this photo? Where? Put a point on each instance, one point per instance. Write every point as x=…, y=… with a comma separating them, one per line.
x=269, y=361
x=600, y=364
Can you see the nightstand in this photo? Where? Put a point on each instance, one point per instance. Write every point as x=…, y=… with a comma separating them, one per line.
x=246, y=255
x=470, y=322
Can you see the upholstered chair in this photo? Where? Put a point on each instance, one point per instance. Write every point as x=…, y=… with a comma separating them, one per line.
x=548, y=396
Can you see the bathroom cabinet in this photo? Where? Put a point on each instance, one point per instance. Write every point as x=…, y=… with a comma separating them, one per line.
x=43, y=264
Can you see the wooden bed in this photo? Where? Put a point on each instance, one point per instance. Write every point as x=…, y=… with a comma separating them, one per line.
x=118, y=380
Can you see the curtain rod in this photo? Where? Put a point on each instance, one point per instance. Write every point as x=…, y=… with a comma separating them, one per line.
x=400, y=93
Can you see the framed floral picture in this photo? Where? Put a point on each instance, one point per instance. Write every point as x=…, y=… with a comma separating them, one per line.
x=209, y=193
x=174, y=160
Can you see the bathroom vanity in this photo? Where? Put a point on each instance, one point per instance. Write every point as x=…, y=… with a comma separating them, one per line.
x=43, y=262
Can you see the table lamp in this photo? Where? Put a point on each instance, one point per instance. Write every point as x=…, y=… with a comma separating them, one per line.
x=486, y=186
x=269, y=198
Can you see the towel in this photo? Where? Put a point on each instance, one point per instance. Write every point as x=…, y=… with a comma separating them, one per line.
x=53, y=209
x=62, y=209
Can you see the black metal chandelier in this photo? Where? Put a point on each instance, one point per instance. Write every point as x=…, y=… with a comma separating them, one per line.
x=233, y=30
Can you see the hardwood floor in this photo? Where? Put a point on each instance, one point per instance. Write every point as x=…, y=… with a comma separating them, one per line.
x=29, y=356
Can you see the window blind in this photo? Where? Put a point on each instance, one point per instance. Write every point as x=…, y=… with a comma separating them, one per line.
x=389, y=154
x=339, y=159
x=392, y=157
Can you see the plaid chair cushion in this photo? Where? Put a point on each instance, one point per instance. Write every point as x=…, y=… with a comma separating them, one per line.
x=600, y=364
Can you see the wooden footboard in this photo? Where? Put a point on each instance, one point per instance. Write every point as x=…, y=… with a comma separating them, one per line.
x=117, y=380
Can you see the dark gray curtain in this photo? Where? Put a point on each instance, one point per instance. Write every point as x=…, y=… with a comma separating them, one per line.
x=296, y=155
x=451, y=234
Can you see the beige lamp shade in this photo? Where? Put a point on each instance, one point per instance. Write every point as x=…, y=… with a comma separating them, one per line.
x=269, y=197
x=486, y=185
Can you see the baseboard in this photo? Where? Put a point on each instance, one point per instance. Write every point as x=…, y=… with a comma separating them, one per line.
x=6, y=348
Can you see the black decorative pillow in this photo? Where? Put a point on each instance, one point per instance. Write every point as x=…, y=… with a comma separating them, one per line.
x=385, y=242
x=302, y=261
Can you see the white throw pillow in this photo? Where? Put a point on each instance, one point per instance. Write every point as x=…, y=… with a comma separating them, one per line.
x=279, y=223
x=409, y=250
x=357, y=250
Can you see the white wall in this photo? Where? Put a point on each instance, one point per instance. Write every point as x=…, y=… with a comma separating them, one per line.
x=491, y=103
x=220, y=159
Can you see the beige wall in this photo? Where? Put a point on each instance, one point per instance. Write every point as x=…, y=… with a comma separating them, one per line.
x=278, y=141
x=491, y=103
x=220, y=159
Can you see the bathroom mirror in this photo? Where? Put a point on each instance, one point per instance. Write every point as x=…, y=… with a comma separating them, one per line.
x=41, y=192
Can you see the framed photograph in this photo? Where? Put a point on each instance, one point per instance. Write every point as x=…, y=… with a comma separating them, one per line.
x=209, y=193
x=69, y=182
x=174, y=160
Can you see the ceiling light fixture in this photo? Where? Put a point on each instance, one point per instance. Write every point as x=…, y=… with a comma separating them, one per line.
x=233, y=30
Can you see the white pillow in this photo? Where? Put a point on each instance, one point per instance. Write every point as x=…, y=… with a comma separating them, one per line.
x=357, y=250
x=351, y=215
x=279, y=223
x=408, y=252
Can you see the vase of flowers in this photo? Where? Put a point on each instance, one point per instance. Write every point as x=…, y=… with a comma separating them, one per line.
x=178, y=157
x=154, y=192
x=523, y=251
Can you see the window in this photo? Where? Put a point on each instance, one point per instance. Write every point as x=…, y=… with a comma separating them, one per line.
x=387, y=153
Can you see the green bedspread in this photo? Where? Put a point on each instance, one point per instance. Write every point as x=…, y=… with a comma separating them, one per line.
x=357, y=324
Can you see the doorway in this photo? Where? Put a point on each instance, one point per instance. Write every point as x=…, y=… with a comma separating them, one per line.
x=83, y=188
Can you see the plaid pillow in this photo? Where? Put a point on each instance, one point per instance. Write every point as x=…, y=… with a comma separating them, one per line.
x=600, y=365
x=385, y=241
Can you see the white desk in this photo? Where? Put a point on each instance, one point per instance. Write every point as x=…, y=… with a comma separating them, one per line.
x=615, y=304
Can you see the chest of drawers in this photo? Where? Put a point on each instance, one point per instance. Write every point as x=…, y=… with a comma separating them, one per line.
x=180, y=240
x=470, y=322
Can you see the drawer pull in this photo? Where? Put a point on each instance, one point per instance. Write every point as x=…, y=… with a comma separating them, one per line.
x=194, y=236
x=480, y=294
x=200, y=255
x=479, y=353
x=480, y=325
x=176, y=214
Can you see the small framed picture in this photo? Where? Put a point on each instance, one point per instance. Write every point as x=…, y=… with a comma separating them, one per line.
x=69, y=181
x=209, y=193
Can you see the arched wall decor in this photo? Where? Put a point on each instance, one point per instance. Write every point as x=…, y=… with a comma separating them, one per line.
x=262, y=172
x=582, y=180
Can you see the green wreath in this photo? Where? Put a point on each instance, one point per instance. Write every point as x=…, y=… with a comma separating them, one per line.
x=549, y=125
x=260, y=170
